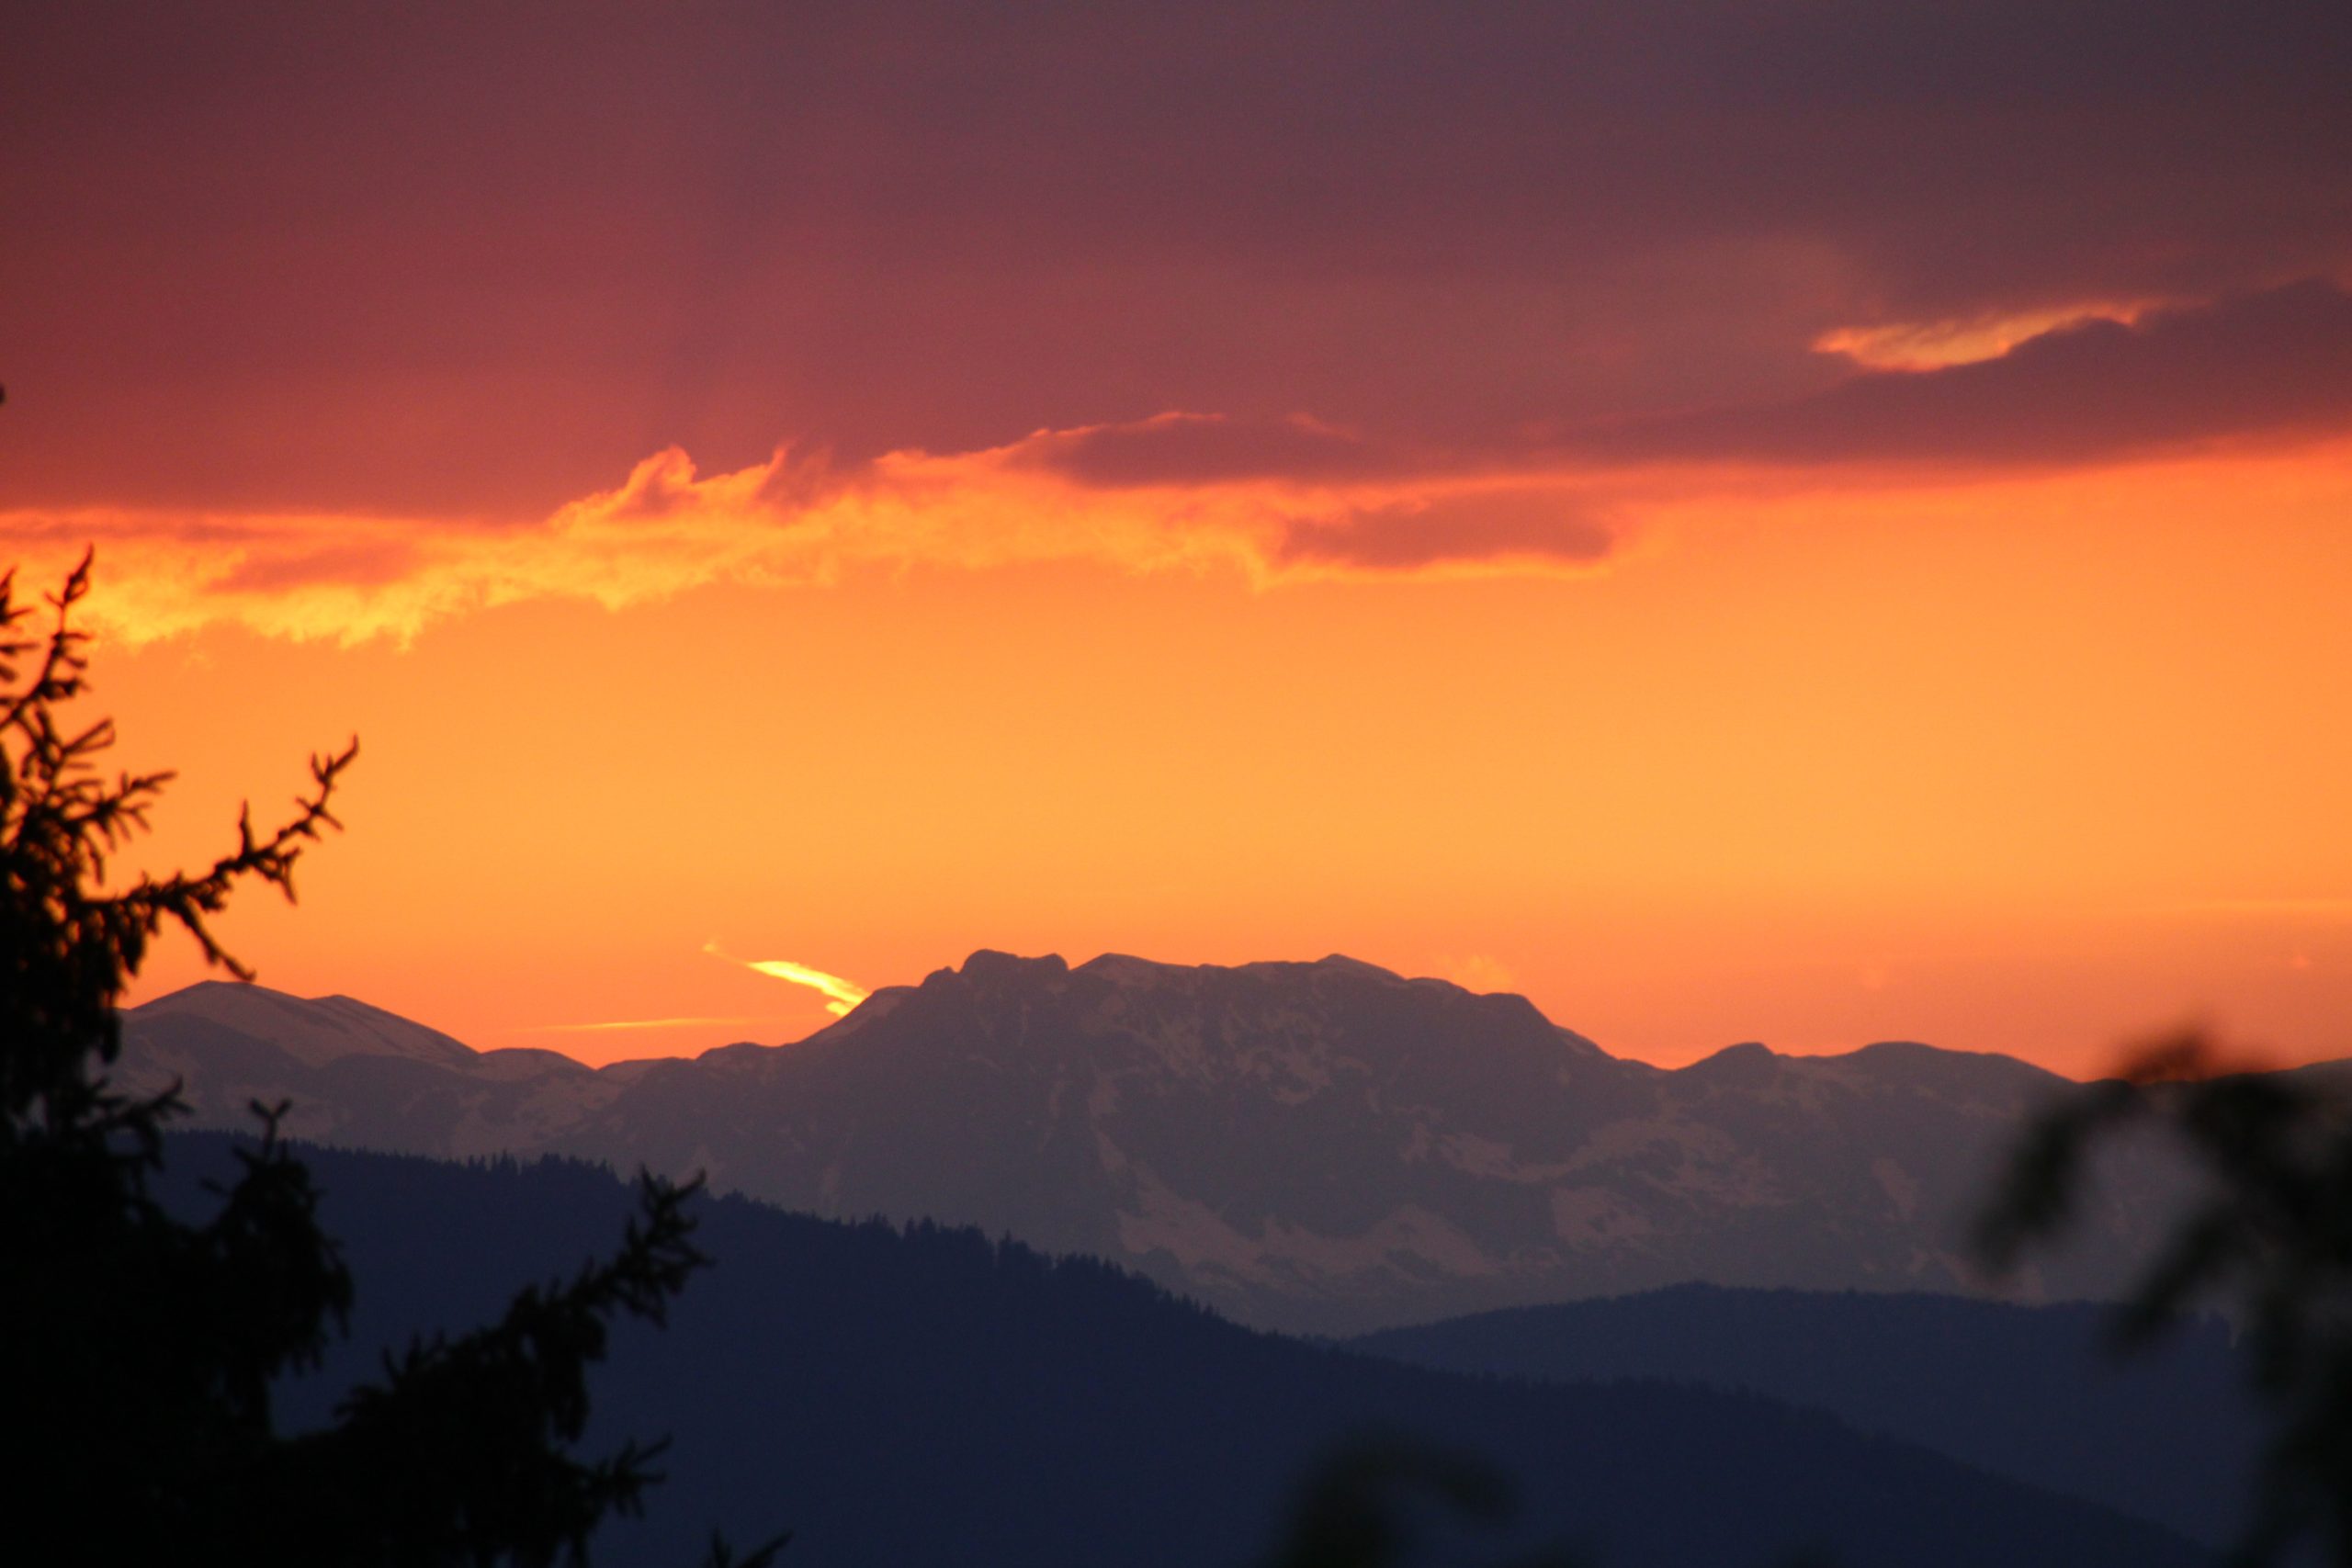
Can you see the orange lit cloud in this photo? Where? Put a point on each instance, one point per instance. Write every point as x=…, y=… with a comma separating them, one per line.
x=1266, y=501
x=792, y=520
x=1932, y=345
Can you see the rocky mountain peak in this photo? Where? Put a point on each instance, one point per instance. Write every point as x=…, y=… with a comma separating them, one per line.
x=988, y=967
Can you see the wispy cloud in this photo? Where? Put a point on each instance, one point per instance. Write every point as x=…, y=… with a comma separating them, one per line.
x=1934, y=344
x=840, y=995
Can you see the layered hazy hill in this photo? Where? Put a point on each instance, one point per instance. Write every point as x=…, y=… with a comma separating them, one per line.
x=906, y=1397
x=1326, y=1146
x=2172, y=1433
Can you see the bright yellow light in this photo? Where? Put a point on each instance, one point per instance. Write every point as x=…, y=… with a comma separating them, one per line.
x=840, y=995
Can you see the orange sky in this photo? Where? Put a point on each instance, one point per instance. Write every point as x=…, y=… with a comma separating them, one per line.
x=2027, y=765
x=1816, y=526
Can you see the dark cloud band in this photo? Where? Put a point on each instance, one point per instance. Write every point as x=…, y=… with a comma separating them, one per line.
x=466, y=264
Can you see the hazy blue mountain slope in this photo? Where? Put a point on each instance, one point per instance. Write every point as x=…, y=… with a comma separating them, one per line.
x=933, y=1397
x=2034, y=1393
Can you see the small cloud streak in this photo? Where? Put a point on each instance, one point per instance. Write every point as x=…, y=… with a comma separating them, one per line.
x=2272, y=364
x=840, y=995
x=1935, y=346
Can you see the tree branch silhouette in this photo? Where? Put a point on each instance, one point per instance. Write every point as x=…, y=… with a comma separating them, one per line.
x=2270, y=1231
x=139, y=1350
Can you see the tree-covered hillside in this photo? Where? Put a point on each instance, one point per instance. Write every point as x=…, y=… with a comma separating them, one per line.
x=929, y=1396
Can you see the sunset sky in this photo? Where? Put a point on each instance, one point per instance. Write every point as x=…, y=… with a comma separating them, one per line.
x=1816, y=522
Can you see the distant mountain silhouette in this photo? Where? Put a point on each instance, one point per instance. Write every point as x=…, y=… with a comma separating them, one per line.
x=1321, y=1146
x=927, y=1396
x=2171, y=1434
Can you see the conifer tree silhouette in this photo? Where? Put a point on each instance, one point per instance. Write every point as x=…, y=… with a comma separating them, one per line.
x=138, y=1348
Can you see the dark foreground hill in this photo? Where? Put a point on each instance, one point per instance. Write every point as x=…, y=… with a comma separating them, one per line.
x=1325, y=1147
x=2170, y=1435
x=926, y=1396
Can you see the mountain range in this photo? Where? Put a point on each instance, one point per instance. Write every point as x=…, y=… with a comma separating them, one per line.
x=1326, y=1147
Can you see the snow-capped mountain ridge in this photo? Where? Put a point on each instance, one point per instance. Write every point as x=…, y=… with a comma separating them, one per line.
x=1324, y=1146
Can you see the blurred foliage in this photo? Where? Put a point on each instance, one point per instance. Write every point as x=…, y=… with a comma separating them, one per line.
x=2267, y=1235
x=138, y=1349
